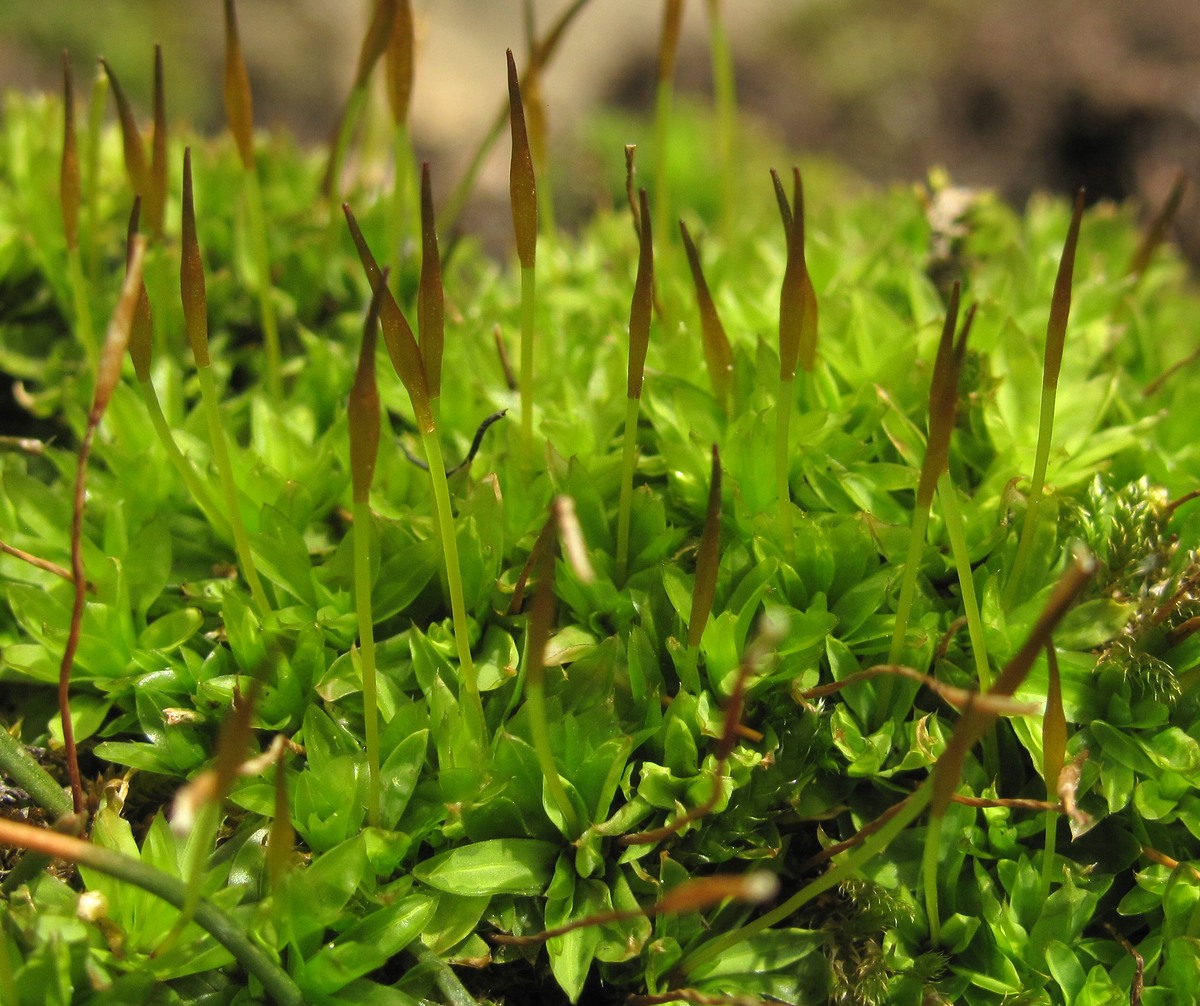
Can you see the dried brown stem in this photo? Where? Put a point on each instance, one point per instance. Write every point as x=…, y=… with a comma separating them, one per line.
x=44, y=564
x=1156, y=231
x=107, y=375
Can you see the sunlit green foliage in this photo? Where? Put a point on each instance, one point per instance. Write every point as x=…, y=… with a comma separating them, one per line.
x=465, y=836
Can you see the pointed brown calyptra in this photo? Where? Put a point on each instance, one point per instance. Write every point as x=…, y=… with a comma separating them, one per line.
x=718, y=356
x=1156, y=231
x=108, y=373
x=668, y=41
x=522, y=188
x=131, y=137
x=375, y=41
x=535, y=108
x=630, y=197
x=539, y=58
x=156, y=177
x=943, y=399
x=431, y=310
x=141, y=332
x=239, y=105
x=797, y=300
x=1060, y=301
x=643, y=302
x=707, y=558
x=363, y=409
x=397, y=334
x=191, y=273
x=785, y=208
x=68, y=183
x=399, y=62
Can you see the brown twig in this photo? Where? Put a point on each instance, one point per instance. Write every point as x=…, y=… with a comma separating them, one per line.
x=108, y=373
x=1139, y=965
x=46, y=564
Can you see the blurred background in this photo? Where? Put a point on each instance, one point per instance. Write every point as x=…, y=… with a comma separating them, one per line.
x=1017, y=95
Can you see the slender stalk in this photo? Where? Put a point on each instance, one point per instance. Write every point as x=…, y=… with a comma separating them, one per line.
x=625, y=505
x=708, y=558
x=239, y=111
x=364, y=421
x=908, y=589
x=141, y=352
x=402, y=157
x=1156, y=231
x=374, y=44
x=96, y=106
x=444, y=977
x=70, y=197
x=337, y=153
x=221, y=926
x=910, y=809
x=108, y=374
x=929, y=877
x=528, y=307
x=956, y=532
x=540, y=57
x=407, y=359
x=201, y=840
x=195, y=310
x=668, y=49
x=458, y=606
x=398, y=63
x=43, y=564
x=1056, y=331
x=220, y=449
x=725, y=95
x=978, y=717
x=541, y=616
x=783, y=492
x=256, y=219
x=522, y=187
x=366, y=651
x=191, y=478
x=20, y=767
x=1054, y=755
x=943, y=403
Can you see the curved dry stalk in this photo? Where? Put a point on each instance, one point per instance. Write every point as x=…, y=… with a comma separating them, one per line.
x=522, y=191
x=43, y=564
x=690, y=896
x=108, y=373
x=958, y=698
x=1156, y=231
x=222, y=927
x=718, y=356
